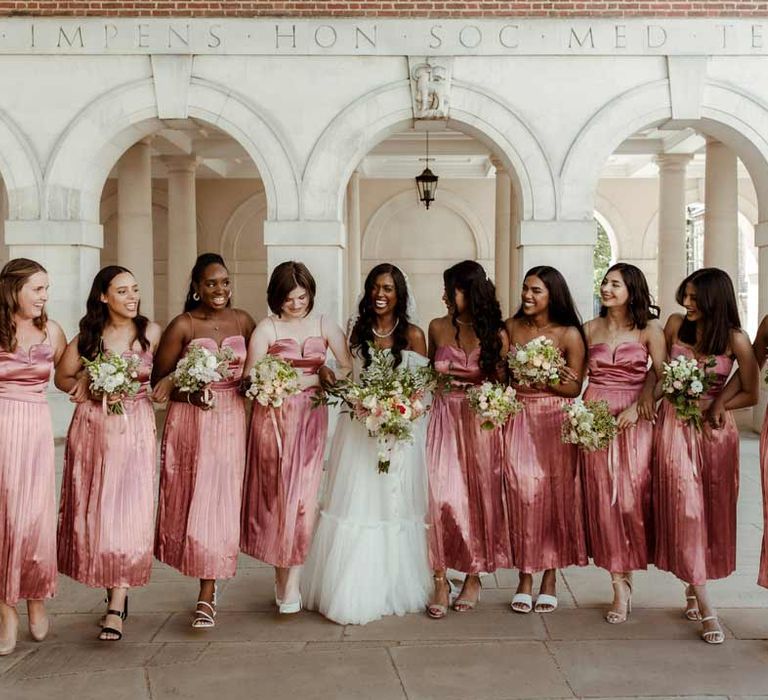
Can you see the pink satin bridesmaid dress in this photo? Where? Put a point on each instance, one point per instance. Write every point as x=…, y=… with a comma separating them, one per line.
x=27, y=477
x=617, y=481
x=106, y=514
x=762, y=577
x=201, y=477
x=468, y=527
x=284, y=465
x=696, y=486
x=543, y=490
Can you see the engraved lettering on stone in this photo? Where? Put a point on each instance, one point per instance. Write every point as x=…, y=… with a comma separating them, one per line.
x=370, y=39
x=620, y=36
x=656, y=36
x=291, y=35
x=470, y=36
x=214, y=40
x=175, y=35
x=76, y=36
x=325, y=36
x=142, y=36
x=725, y=33
x=508, y=36
x=437, y=41
x=110, y=32
x=574, y=37
x=757, y=36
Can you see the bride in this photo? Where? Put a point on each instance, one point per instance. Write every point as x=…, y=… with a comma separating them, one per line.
x=369, y=554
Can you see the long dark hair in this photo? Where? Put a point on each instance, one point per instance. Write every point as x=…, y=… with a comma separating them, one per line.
x=196, y=277
x=716, y=302
x=562, y=310
x=362, y=331
x=480, y=295
x=640, y=305
x=97, y=315
x=13, y=277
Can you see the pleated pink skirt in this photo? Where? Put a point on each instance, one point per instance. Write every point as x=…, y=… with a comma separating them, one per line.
x=284, y=466
x=696, y=486
x=201, y=486
x=27, y=500
x=107, y=496
x=543, y=489
x=620, y=533
x=762, y=577
x=467, y=523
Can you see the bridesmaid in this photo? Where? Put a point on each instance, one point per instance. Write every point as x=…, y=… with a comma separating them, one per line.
x=697, y=474
x=540, y=472
x=203, y=448
x=286, y=447
x=760, y=348
x=617, y=481
x=30, y=345
x=107, y=500
x=468, y=529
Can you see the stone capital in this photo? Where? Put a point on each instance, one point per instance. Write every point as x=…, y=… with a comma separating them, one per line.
x=180, y=164
x=670, y=162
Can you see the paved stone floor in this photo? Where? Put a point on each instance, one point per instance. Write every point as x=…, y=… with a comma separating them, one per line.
x=491, y=653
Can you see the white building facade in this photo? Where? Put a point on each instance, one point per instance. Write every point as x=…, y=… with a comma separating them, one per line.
x=147, y=141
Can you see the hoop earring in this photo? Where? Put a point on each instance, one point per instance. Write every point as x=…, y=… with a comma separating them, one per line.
x=196, y=296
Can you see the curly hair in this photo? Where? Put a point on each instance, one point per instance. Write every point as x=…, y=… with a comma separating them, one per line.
x=640, y=305
x=92, y=325
x=13, y=277
x=362, y=331
x=562, y=310
x=196, y=277
x=716, y=302
x=480, y=293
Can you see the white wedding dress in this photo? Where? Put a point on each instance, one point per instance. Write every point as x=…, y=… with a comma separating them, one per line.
x=369, y=554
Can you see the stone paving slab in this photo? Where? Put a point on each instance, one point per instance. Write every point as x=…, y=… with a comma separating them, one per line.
x=663, y=667
x=746, y=623
x=107, y=685
x=491, y=671
x=316, y=675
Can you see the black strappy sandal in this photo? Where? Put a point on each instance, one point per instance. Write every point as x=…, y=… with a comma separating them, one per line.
x=111, y=630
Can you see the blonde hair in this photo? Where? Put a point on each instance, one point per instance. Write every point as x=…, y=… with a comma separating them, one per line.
x=12, y=278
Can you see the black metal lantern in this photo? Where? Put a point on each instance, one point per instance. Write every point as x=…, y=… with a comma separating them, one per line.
x=426, y=183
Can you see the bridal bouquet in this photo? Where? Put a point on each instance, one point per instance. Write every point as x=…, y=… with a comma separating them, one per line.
x=113, y=375
x=272, y=381
x=536, y=362
x=588, y=424
x=386, y=400
x=200, y=367
x=684, y=381
x=493, y=403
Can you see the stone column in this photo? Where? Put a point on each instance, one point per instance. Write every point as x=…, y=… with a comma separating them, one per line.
x=671, y=255
x=71, y=252
x=502, y=247
x=565, y=245
x=320, y=246
x=354, y=242
x=515, y=273
x=135, y=249
x=182, y=229
x=721, y=211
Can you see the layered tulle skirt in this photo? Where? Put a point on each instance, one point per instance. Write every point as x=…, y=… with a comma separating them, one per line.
x=369, y=554
x=27, y=499
x=617, y=491
x=468, y=524
x=107, y=495
x=201, y=486
x=284, y=467
x=543, y=489
x=696, y=486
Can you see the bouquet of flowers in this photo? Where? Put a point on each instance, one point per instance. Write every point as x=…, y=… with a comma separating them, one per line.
x=113, y=375
x=386, y=400
x=684, y=381
x=272, y=380
x=536, y=362
x=493, y=403
x=588, y=424
x=200, y=367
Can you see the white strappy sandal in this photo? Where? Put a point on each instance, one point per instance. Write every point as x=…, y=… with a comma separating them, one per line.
x=713, y=636
x=203, y=619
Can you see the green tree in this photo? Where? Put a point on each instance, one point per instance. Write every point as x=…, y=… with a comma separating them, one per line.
x=601, y=259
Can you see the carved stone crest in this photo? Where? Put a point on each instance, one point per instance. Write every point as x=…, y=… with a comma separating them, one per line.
x=430, y=86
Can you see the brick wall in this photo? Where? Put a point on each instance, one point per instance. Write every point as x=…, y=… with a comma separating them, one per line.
x=393, y=8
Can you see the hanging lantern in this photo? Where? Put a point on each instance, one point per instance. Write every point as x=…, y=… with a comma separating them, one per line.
x=426, y=183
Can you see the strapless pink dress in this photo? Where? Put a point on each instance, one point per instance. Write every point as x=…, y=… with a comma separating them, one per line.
x=284, y=466
x=106, y=514
x=696, y=486
x=201, y=478
x=27, y=477
x=467, y=524
x=543, y=489
x=617, y=481
x=762, y=578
